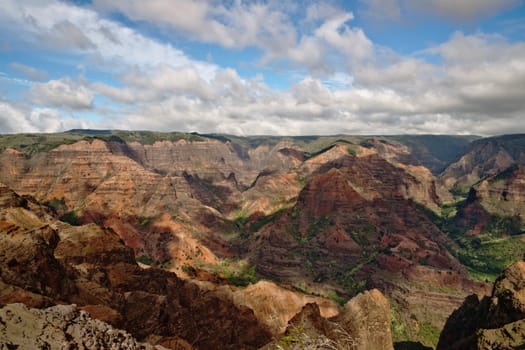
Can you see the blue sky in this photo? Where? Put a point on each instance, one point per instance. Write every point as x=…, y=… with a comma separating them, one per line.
x=264, y=67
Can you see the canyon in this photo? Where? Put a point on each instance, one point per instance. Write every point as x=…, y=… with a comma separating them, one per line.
x=218, y=241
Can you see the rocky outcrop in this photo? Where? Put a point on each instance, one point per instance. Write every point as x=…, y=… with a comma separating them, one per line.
x=273, y=305
x=495, y=322
x=364, y=324
x=495, y=204
x=131, y=187
x=367, y=318
x=354, y=227
x=60, y=327
x=325, y=215
x=351, y=216
x=44, y=261
x=485, y=158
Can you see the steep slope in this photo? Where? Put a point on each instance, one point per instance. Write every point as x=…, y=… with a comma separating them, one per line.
x=485, y=157
x=364, y=324
x=435, y=152
x=492, y=322
x=355, y=226
x=152, y=194
x=328, y=215
x=488, y=227
x=348, y=207
x=43, y=261
x=496, y=204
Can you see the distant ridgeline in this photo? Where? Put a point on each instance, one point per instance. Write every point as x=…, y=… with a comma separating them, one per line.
x=432, y=151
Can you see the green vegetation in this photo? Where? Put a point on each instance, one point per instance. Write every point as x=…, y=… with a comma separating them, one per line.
x=150, y=137
x=71, y=218
x=236, y=272
x=58, y=205
x=501, y=226
x=144, y=222
x=505, y=174
x=428, y=334
x=31, y=144
x=352, y=150
x=334, y=296
x=484, y=255
x=397, y=326
x=243, y=278
x=318, y=226
x=144, y=259
x=487, y=255
x=293, y=337
x=405, y=328
x=460, y=193
x=261, y=221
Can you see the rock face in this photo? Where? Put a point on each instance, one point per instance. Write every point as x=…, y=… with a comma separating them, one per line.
x=153, y=195
x=60, y=327
x=44, y=261
x=324, y=215
x=367, y=317
x=495, y=322
x=352, y=211
x=364, y=324
x=495, y=204
x=485, y=157
x=274, y=305
x=354, y=227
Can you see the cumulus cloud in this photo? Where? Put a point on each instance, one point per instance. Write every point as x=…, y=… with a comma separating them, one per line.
x=265, y=25
x=64, y=26
x=235, y=24
x=165, y=79
x=350, y=41
x=28, y=71
x=15, y=119
x=67, y=35
x=346, y=83
x=62, y=93
x=488, y=77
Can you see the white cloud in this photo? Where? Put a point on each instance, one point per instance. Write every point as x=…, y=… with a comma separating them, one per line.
x=265, y=25
x=14, y=119
x=473, y=83
x=350, y=41
x=64, y=26
x=28, y=71
x=236, y=24
x=50, y=120
x=124, y=95
x=488, y=77
x=403, y=74
x=62, y=93
x=165, y=79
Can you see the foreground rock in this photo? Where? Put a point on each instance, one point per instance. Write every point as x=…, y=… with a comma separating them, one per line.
x=495, y=322
x=364, y=324
x=273, y=305
x=60, y=327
